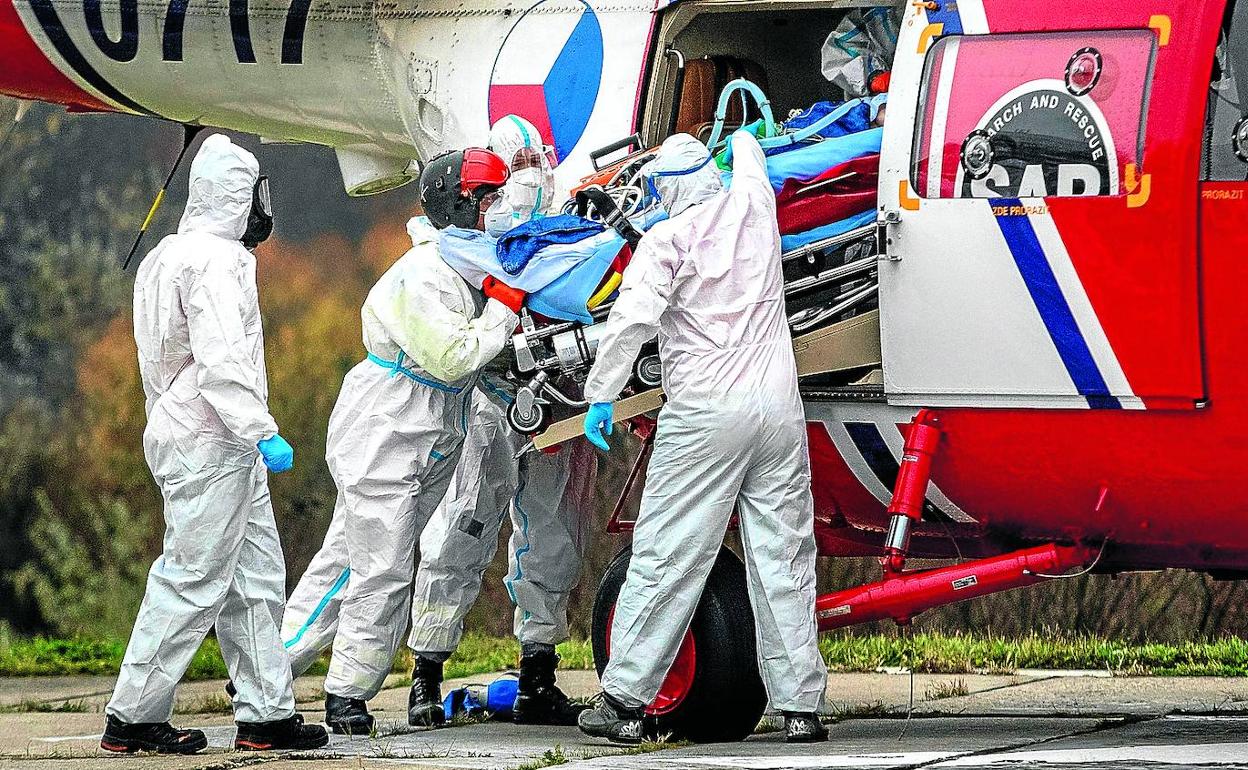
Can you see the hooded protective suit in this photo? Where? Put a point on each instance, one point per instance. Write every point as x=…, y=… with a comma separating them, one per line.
x=709, y=282
x=201, y=357
x=860, y=47
x=682, y=174
x=394, y=438
x=530, y=189
x=547, y=537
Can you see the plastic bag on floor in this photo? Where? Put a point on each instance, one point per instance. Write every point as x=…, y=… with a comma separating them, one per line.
x=494, y=701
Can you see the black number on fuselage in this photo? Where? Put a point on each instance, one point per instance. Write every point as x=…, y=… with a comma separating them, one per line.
x=126, y=47
x=175, y=21
x=296, y=25
x=240, y=28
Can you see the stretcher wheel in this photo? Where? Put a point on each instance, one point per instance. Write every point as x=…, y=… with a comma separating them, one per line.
x=648, y=371
x=528, y=424
x=713, y=692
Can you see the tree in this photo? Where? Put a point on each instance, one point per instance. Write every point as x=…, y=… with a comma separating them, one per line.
x=68, y=205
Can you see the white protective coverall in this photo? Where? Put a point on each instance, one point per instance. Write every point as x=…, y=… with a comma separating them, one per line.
x=201, y=357
x=530, y=188
x=394, y=438
x=708, y=280
x=547, y=536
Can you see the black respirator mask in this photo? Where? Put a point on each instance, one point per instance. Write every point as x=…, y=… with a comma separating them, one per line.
x=260, y=219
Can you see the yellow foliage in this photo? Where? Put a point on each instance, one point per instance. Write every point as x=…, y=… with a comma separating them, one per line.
x=310, y=297
x=111, y=421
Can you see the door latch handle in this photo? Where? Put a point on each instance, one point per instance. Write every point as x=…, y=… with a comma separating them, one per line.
x=883, y=243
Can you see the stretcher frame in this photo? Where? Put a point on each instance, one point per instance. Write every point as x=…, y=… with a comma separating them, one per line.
x=846, y=345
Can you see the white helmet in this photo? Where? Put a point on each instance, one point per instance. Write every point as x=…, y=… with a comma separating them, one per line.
x=530, y=189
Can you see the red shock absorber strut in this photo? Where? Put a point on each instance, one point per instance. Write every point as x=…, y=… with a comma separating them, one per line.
x=901, y=595
x=910, y=492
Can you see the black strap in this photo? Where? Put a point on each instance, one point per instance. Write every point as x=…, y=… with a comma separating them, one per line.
x=605, y=207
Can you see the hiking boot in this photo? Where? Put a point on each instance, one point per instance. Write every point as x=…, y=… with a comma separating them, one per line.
x=289, y=734
x=347, y=716
x=424, y=702
x=803, y=728
x=160, y=737
x=612, y=720
x=539, y=701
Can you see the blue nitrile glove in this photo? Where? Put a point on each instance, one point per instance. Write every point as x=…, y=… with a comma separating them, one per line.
x=599, y=416
x=278, y=455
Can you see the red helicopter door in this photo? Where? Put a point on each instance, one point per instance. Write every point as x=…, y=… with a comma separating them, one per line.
x=1038, y=189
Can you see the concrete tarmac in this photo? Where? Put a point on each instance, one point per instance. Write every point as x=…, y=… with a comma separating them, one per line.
x=1045, y=720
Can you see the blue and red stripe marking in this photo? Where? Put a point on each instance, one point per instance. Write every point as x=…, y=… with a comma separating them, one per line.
x=1051, y=303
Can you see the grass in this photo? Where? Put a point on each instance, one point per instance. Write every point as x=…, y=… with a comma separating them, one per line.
x=550, y=758
x=870, y=710
x=481, y=654
x=926, y=653
x=213, y=703
x=46, y=707
x=557, y=756
x=647, y=747
x=954, y=688
x=40, y=656
x=967, y=654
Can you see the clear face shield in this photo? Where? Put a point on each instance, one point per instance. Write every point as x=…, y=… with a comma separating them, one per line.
x=652, y=186
x=528, y=193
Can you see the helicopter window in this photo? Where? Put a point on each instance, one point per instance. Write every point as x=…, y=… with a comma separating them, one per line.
x=1225, y=156
x=1033, y=115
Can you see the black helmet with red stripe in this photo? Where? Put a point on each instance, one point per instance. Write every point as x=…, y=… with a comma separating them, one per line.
x=454, y=184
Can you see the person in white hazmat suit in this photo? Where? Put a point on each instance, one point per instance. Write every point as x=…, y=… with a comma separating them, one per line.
x=394, y=439
x=547, y=538
x=708, y=281
x=208, y=440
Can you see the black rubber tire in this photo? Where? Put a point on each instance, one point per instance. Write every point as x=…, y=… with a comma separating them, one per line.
x=727, y=697
x=646, y=374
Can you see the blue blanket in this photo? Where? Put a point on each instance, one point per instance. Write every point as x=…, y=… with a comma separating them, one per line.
x=558, y=279
x=518, y=245
x=811, y=160
x=858, y=118
x=474, y=255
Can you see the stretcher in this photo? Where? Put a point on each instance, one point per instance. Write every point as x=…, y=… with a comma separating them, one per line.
x=825, y=189
x=830, y=292
x=844, y=346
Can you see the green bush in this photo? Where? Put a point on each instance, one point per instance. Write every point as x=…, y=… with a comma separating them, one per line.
x=86, y=572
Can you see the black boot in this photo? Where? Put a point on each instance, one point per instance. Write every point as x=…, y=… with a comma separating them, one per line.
x=424, y=703
x=160, y=737
x=289, y=734
x=347, y=716
x=803, y=728
x=539, y=700
x=612, y=720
